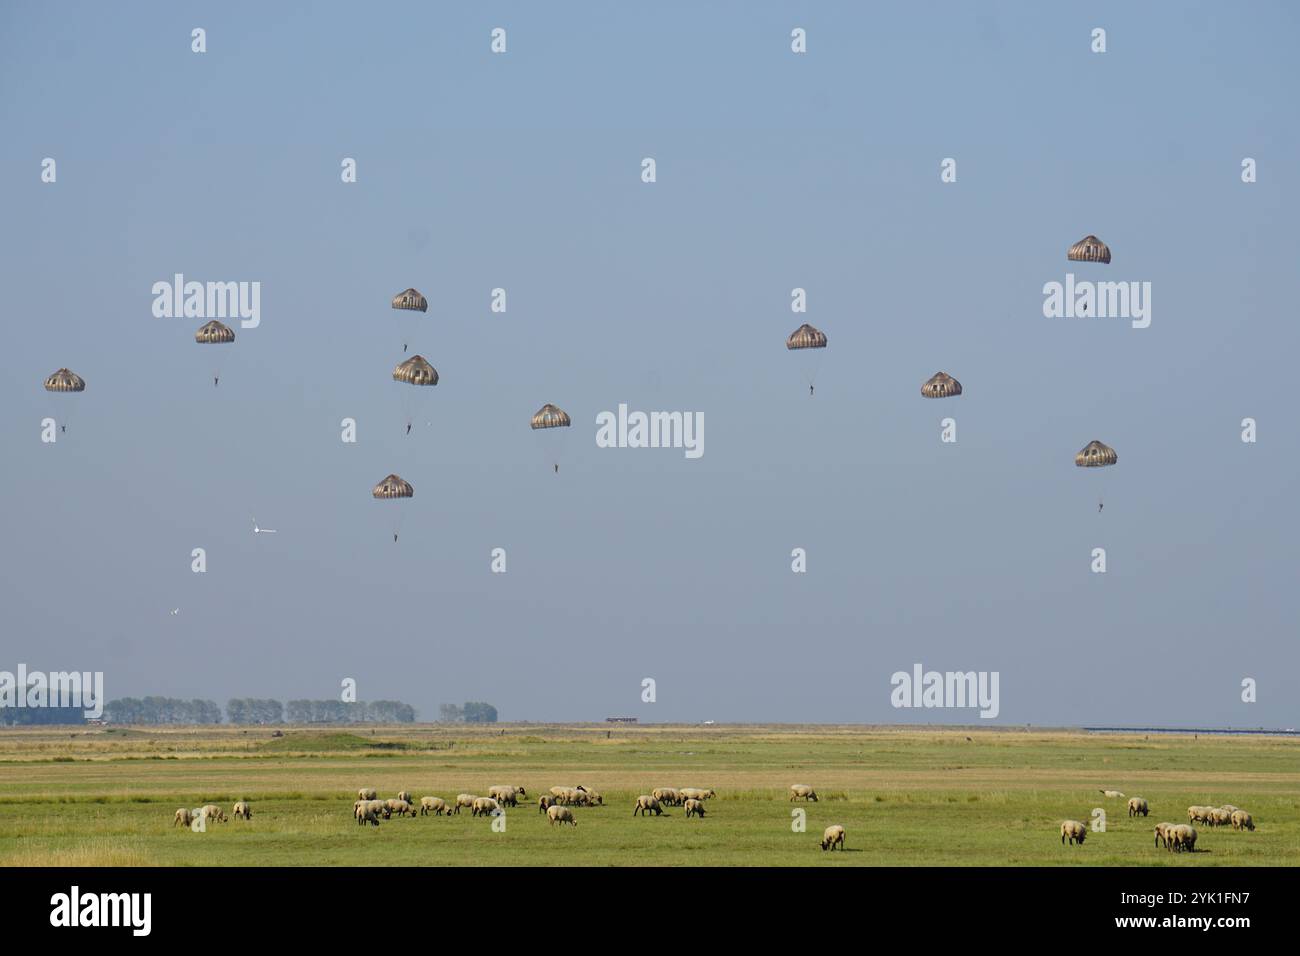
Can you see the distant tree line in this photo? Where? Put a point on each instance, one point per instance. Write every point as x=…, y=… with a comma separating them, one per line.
x=25, y=716
x=473, y=712
x=338, y=712
x=161, y=710
x=239, y=710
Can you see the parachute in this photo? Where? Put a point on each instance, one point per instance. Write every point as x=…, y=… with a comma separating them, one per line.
x=1096, y=455
x=941, y=385
x=414, y=371
x=806, y=337
x=550, y=417
x=65, y=380
x=1089, y=249
x=409, y=300
x=214, y=333
x=394, y=487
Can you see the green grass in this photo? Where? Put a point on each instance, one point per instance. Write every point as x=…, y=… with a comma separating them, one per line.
x=905, y=797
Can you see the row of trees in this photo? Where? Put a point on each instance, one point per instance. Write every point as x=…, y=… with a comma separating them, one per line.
x=239, y=710
x=473, y=712
x=161, y=710
x=26, y=716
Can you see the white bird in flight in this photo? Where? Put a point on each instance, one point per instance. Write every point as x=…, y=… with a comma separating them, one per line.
x=257, y=530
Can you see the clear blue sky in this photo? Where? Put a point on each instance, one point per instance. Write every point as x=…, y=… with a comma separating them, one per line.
x=774, y=171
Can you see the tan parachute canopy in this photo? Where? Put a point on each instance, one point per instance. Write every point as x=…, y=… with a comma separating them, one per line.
x=416, y=371
x=393, y=487
x=806, y=337
x=1095, y=455
x=1089, y=249
x=214, y=333
x=65, y=380
x=548, y=416
x=941, y=385
x=411, y=299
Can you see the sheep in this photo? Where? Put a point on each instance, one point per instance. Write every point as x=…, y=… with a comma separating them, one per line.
x=213, y=812
x=1163, y=833
x=799, y=790
x=694, y=793
x=695, y=807
x=544, y=803
x=367, y=793
x=400, y=807
x=558, y=814
x=378, y=807
x=1137, y=805
x=557, y=791
x=1241, y=820
x=184, y=817
x=831, y=836
x=365, y=813
x=1074, y=831
x=242, y=809
x=647, y=804
x=594, y=799
x=1220, y=817
x=1229, y=807
x=483, y=806
x=668, y=796
x=1198, y=814
x=1110, y=793
x=1183, y=837
x=405, y=796
x=569, y=796
x=434, y=805
x=464, y=800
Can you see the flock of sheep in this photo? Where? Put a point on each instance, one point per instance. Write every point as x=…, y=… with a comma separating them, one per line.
x=1175, y=837
x=368, y=808
x=210, y=811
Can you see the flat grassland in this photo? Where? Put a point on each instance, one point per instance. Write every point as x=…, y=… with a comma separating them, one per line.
x=945, y=797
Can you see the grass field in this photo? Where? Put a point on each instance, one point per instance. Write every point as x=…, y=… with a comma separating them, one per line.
x=106, y=796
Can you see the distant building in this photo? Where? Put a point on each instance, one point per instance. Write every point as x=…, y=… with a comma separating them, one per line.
x=620, y=720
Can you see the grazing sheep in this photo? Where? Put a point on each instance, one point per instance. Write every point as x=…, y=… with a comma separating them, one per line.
x=647, y=804
x=184, y=817
x=434, y=805
x=1198, y=814
x=668, y=796
x=1163, y=833
x=1229, y=807
x=378, y=807
x=594, y=799
x=242, y=809
x=1220, y=817
x=504, y=795
x=544, y=803
x=1110, y=793
x=1183, y=838
x=213, y=812
x=557, y=792
x=694, y=793
x=695, y=807
x=1137, y=805
x=558, y=814
x=464, y=800
x=367, y=793
x=405, y=796
x=831, y=836
x=483, y=806
x=400, y=807
x=1241, y=820
x=1074, y=831
x=802, y=790
x=365, y=813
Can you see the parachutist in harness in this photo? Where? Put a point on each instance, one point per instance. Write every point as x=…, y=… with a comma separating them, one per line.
x=557, y=468
x=215, y=379
x=394, y=537
x=408, y=428
x=810, y=389
x=1099, y=507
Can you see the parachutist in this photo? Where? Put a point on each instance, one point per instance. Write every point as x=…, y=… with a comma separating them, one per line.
x=63, y=428
x=1099, y=507
x=215, y=379
x=408, y=428
x=394, y=538
x=557, y=469
x=810, y=389
x=403, y=346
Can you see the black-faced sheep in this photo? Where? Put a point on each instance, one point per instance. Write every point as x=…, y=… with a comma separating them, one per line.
x=647, y=804
x=1136, y=806
x=243, y=810
x=1074, y=831
x=558, y=814
x=831, y=836
x=1241, y=820
x=801, y=791
x=435, y=805
x=695, y=808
